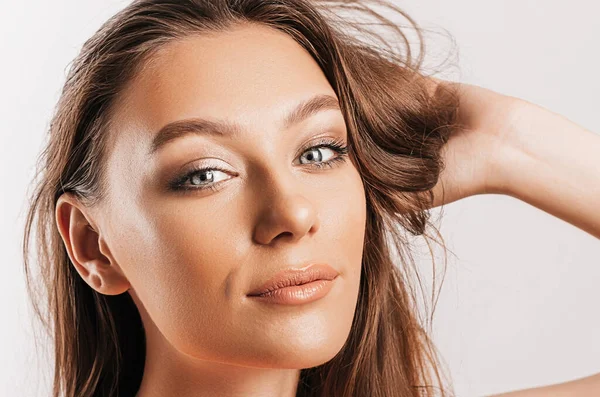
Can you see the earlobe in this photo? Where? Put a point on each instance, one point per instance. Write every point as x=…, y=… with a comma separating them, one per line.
x=82, y=242
x=103, y=276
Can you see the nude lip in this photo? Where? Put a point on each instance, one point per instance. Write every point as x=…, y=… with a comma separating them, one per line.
x=297, y=285
x=297, y=294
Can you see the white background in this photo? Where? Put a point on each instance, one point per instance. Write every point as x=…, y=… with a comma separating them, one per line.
x=519, y=305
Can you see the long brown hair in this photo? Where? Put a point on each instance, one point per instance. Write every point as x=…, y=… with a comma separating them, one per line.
x=396, y=129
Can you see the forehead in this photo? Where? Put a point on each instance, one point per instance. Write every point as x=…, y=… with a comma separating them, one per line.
x=249, y=75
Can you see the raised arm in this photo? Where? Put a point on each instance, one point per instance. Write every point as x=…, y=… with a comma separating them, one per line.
x=553, y=164
x=514, y=147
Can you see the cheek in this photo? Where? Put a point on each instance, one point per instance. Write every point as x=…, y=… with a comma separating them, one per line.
x=342, y=242
x=352, y=244
x=177, y=263
x=348, y=216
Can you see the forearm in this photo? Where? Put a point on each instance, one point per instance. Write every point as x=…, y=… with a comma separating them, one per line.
x=553, y=164
x=581, y=387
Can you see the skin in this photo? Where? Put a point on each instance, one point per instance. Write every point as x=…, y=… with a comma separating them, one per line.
x=189, y=260
x=514, y=147
x=152, y=243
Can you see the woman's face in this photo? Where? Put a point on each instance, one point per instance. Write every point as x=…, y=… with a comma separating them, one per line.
x=191, y=256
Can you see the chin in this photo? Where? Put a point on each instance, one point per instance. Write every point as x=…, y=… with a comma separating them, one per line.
x=311, y=353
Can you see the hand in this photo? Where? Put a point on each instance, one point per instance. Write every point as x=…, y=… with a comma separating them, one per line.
x=473, y=154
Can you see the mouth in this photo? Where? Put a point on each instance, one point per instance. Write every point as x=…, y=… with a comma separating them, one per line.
x=297, y=294
x=291, y=277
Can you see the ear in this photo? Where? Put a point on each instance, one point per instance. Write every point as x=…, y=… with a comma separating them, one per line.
x=86, y=248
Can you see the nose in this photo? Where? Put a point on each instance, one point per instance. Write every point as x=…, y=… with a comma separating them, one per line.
x=288, y=216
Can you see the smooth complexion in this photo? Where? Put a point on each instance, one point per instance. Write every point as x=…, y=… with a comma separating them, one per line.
x=188, y=258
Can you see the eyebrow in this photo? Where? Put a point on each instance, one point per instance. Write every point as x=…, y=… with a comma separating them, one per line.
x=199, y=126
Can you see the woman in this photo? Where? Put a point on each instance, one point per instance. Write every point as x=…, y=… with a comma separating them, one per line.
x=201, y=148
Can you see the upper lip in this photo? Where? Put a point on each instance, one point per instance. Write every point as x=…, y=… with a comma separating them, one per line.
x=296, y=276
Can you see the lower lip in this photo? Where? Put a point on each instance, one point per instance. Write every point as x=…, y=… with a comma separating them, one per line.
x=297, y=294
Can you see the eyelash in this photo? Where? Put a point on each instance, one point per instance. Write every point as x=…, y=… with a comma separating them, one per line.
x=337, y=145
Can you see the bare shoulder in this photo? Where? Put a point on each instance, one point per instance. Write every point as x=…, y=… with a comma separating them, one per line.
x=588, y=386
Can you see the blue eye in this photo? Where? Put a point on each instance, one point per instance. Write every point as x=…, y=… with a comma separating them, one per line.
x=203, y=178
